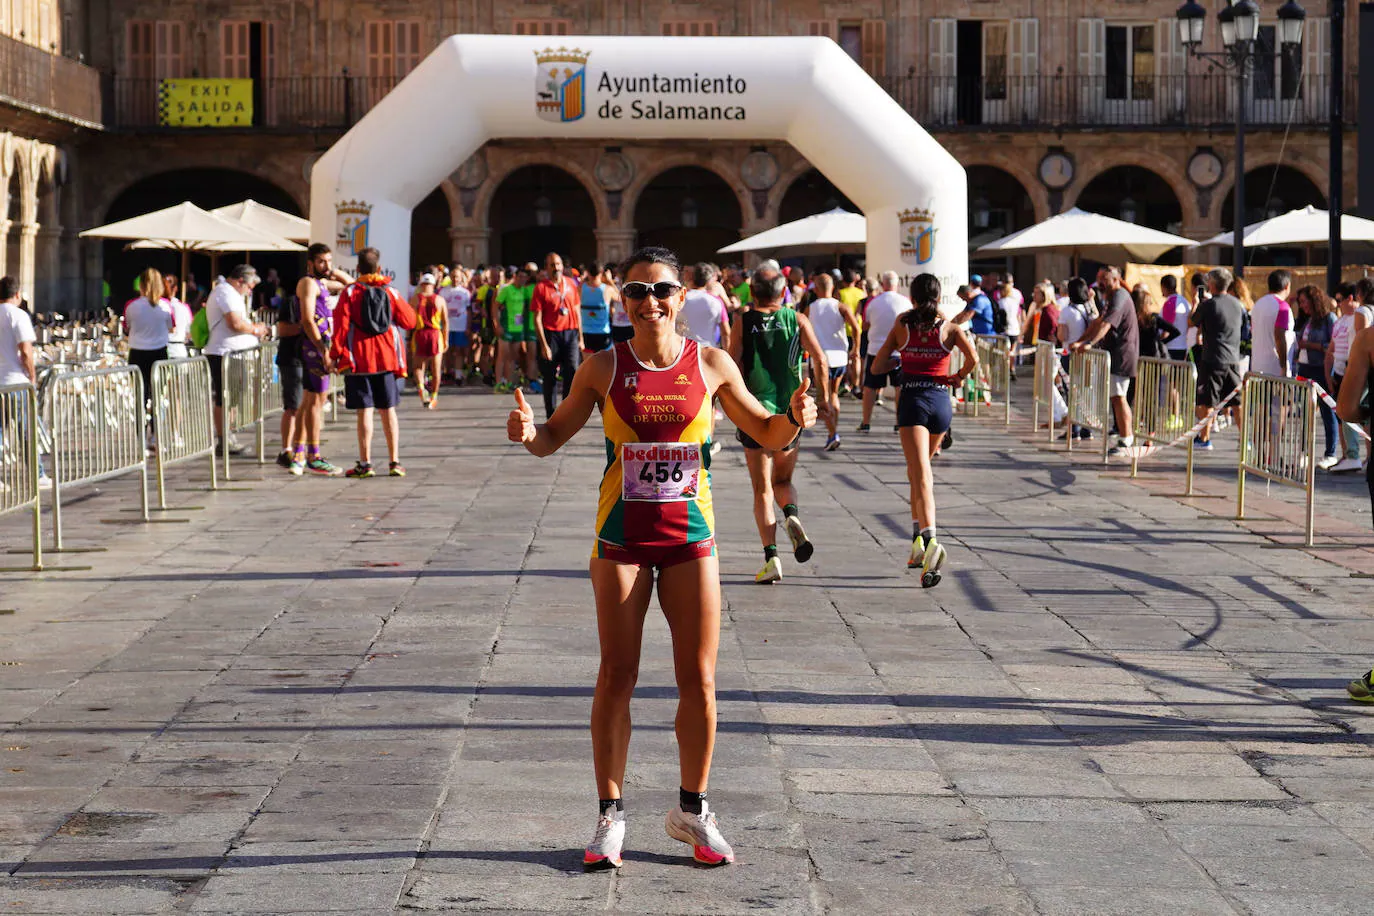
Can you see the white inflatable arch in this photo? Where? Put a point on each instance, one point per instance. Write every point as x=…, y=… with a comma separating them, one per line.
x=805, y=91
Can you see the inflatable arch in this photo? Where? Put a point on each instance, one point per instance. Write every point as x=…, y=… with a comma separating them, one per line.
x=805, y=91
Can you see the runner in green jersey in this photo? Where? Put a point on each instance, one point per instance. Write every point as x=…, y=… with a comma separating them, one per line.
x=767, y=340
x=512, y=304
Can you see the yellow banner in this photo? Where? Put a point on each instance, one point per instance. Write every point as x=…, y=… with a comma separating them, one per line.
x=205, y=103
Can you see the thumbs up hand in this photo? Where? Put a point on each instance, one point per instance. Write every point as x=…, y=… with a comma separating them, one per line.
x=803, y=406
x=520, y=424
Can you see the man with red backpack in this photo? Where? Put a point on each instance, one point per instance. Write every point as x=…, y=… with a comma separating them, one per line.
x=370, y=351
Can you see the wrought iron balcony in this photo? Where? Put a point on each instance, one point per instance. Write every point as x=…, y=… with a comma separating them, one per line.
x=48, y=84
x=285, y=104
x=1071, y=102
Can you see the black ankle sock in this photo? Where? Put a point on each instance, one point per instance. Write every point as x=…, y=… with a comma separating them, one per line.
x=690, y=801
x=928, y=533
x=608, y=803
x=770, y=552
x=915, y=530
x=789, y=510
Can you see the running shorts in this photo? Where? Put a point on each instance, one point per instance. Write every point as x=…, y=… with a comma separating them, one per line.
x=216, y=362
x=1214, y=383
x=881, y=380
x=513, y=336
x=428, y=343
x=376, y=389
x=747, y=442
x=922, y=404
x=837, y=373
x=596, y=342
x=654, y=557
x=458, y=339
x=292, y=376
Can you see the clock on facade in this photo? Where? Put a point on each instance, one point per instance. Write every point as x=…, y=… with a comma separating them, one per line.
x=1204, y=169
x=1056, y=170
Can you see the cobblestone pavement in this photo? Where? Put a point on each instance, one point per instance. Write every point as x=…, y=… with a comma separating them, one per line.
x=371, y=697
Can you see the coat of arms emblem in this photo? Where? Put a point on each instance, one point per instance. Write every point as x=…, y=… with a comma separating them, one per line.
x=350, y=235
x=917, y=233
x=560, y=83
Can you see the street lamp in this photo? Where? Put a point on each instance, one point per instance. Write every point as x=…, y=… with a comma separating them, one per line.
x=1239, y=22
x=543, y=211
x=1128, y=210
x=982, y=212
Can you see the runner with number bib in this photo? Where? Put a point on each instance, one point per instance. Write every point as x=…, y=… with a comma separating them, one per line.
x=767, y=340
x=654, y=515
x=924, y=408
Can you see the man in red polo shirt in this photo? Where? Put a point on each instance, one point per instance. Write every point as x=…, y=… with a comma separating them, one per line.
x=557, y=307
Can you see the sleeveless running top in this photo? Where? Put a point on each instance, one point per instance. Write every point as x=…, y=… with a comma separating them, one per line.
x=596, y=318
x=428, y=314
x=656, y=490
x=925, y=359
x=772, y=356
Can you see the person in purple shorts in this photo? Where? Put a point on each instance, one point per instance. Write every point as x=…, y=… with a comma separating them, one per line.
x=317, y=324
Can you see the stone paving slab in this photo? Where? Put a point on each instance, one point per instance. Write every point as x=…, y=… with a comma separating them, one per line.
x=337, y=696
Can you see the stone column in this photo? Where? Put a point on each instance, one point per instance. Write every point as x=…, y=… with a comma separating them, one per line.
x=28, y=236
x=614, y=243
x=4, y=246
x=47, y=293
x=470, y=245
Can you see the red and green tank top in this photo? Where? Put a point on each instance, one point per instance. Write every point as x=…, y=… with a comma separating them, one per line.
x=656, y=491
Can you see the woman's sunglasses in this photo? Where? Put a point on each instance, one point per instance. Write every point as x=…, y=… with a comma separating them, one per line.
x=663, y=289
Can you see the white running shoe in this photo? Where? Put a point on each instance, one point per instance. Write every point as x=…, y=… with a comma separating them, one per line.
x=702, y=833
x=297, y=468
x=802, y=549
x=1328, y=462
x=771, y=572
x=931, y=562
x=608, y=840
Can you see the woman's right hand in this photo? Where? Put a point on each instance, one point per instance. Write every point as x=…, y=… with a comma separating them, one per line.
x=520, y=423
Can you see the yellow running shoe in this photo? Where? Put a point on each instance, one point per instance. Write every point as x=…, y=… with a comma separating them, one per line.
x=931, y=562
x=918, y=553
x=1360, y=689
x=771, y=572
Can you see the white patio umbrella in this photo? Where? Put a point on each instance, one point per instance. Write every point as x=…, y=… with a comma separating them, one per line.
x=1308, y=226
x=186, y=228
x=267, y=219
x=1089, y=235
x=822, y=233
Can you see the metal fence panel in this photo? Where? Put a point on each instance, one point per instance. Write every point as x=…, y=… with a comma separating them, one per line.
x=242, y=389
x=1278, y=438
x=1165, y=402
x=183, y=427
x=269, y=393
x=994, y=369
x=1089, y=388
x=97, y=422
x=1042, y=387
x=19, y=470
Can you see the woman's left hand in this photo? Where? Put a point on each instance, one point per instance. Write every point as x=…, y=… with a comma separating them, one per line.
x=803, y=405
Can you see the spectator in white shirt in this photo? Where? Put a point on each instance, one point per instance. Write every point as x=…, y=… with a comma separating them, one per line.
x=148, y=322
x=231, y=330
x=181, y=318
x=1271, y=327
x=879, y=318
x=17, y=338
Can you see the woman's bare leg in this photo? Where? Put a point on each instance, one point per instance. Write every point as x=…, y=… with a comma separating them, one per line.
x=917, y=446
x=622, y=598
x=690, y=596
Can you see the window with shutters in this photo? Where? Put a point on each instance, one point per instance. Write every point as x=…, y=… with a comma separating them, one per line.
x=1316, y=52
x=822, y=28
x=851, y=40
x=541, y=26
x=393, y=48
x=1130, y=62
x=689, y=27
x=155, y=49
x=994, y=61
x=874, y=44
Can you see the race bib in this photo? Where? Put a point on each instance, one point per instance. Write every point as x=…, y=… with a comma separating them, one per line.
x=660, y=472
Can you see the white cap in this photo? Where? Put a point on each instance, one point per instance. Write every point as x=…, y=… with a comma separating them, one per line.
x=769, y=264
x=426, y=278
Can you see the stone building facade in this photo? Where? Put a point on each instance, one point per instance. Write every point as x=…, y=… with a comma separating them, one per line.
x=1048, y=105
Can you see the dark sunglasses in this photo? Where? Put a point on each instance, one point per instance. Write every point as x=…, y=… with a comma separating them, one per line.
x=663, y=289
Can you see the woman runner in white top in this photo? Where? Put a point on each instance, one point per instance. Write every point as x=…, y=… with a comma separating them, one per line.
x=830, y=321
x=181, y=318
x=148, y=321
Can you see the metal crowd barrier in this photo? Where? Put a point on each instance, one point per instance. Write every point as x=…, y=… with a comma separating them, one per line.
x=1089, y=388
x=97, y=422
x=1042, y=387
x=183, y=424
x=241, y=376
x=269, y=393
x=994, y=369
x=1278, y=438
x=19, y=469
x=1165, y=401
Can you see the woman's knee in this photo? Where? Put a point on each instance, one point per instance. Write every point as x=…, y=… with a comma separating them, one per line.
x=697, y=686
x=616, y=679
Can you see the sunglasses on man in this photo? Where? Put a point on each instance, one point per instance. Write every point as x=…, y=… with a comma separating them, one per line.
x=662, y=290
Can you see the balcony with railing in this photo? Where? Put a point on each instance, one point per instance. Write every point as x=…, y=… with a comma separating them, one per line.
x=1055, y=102
x=48, y=84
x=1071, y=102
x=286, y=104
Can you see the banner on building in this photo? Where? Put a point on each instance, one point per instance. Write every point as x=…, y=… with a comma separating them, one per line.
x=205, y=102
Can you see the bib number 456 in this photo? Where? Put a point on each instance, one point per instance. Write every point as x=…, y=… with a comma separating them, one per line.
x=661, y=472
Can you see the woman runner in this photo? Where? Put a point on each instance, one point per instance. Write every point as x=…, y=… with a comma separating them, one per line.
x=655, y=514
x=924, y=409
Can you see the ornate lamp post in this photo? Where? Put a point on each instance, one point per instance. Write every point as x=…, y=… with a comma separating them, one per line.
x=1240, y=24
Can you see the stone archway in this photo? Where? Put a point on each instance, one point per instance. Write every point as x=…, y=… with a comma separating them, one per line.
x=811, y=193
x=536, y=209
x=1269, y=191
x=690, y=210
x=1136, y=195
